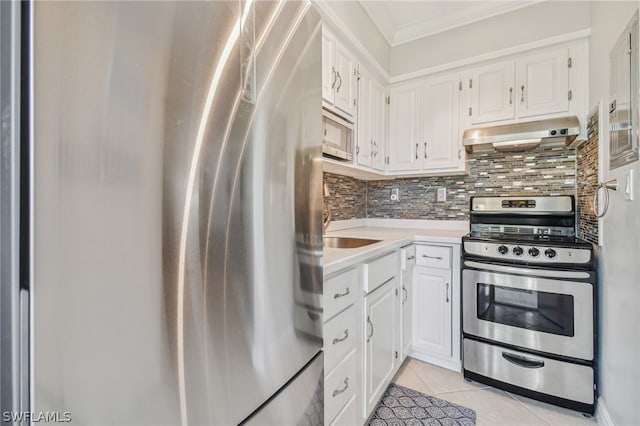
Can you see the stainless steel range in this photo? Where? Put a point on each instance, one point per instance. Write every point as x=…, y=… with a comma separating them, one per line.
x=528, y=300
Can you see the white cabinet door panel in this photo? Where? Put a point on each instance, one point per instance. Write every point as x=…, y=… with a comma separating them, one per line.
x=432, y=311
x=440, y=118
x=379, y=343
x=543, y=83
x=345, y=80
x=404, y=128
x=493, y=93
x=378, y=124
x=364, y=148
x=329, y=75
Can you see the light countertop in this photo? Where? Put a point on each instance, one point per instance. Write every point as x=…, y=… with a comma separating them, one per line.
x=391, y=238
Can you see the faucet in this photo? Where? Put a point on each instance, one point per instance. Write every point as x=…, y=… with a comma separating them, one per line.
x=326, y=222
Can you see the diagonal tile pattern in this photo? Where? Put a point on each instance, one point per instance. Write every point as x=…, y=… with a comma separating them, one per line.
x=493, y=407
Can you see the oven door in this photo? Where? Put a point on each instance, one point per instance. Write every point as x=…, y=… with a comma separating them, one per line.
x=512, y=306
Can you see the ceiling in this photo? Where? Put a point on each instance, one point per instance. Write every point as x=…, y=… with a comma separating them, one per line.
x=404, y=21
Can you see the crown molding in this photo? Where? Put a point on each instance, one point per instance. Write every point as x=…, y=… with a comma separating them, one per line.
x=577, y=35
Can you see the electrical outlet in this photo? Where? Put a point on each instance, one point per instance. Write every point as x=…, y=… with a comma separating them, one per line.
x=395, y=194
x=442, y=194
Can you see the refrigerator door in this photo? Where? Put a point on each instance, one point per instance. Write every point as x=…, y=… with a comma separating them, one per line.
x=177, y=234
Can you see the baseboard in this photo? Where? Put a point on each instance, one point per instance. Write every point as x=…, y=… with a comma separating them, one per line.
x=602, y=414
x=453, y=365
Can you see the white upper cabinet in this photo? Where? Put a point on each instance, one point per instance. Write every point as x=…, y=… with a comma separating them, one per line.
x=404, y=129
x=338, y=74
x=424, y=135
x=543, y=83
x=528, y=86
x=370, y=149
x=345, y=84
x=493, y=92
x=442, y=147
x=329, y=75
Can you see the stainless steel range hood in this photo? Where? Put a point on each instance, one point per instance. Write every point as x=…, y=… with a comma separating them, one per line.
x=522, y=136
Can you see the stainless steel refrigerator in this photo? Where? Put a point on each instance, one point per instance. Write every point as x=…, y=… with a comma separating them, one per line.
x=161, y=212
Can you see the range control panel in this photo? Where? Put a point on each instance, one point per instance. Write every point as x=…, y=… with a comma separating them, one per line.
x=528, y=253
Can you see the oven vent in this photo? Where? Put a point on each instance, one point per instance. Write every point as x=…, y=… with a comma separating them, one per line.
x=526, y=230
x=511, y=229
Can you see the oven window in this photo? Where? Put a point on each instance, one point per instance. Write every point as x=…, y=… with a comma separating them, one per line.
x=533, y=310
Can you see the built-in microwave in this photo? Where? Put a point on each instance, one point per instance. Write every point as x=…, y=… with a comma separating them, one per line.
x=337, y=136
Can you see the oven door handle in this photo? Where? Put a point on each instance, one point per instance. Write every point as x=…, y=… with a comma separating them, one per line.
x=551, y=273
x=522, y=361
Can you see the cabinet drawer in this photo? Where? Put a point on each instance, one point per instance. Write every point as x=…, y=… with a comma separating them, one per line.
x=380, y=270
x=348, y=415
x=533, y=372
x=340, y=336
x=433, y=256
x=339, y=292
x=339, y=386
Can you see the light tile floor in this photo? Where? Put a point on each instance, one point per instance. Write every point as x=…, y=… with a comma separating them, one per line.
x=492, y=406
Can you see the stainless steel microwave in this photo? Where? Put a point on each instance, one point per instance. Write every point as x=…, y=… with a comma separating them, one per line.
x=337, y=136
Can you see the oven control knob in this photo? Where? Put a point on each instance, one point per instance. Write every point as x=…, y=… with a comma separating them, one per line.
x=503, y=250
x=518, y=251
x=534, y=252
x=550, y=253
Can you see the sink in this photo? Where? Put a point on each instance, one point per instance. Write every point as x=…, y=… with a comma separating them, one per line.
x=346, y=242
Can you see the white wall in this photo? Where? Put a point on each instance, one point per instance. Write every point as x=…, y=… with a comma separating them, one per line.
x=620, y=256
x=526, y=25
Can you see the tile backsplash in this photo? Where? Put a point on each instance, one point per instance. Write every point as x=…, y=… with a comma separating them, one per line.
x=587, y=169
x=347, y=197
x=543, y=171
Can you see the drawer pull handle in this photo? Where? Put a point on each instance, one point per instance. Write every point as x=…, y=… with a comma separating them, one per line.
x=432, y=257
x=406, y=295
x=344, y=388
x=411, y=257
x=371, y=324
x=339, y=295
x=522, y=361
x=346, y=334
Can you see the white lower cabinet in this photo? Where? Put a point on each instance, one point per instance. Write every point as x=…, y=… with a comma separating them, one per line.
x=379, y=349
x=436, y=305
x=408, y=256
x=432, y=331
x=341, y=349
x=362, y=336
x=340, y=386
x=349, y=414
x=380, y=339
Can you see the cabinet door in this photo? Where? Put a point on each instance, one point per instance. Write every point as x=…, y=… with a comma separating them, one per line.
x=543, y=83
x=364, y=148
x=432, y=311
x=440, y=120
x=493, y=93
x=345, y=84
x=329, y=75
x=406, y=298
x=404, y=129
x=377, y=109
x=379, y=348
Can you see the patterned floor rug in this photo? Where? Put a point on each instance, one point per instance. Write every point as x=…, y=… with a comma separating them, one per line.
x=401, y=406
